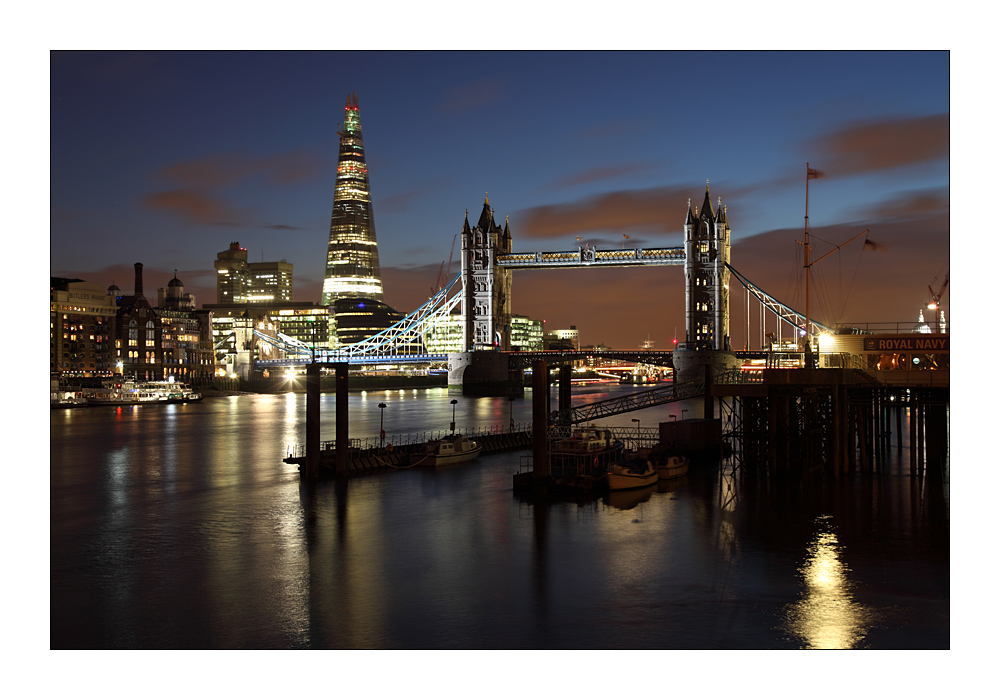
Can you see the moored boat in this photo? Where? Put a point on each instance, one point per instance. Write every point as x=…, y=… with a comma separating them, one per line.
x=447, y=451
x=588, y=450
x=126, y=393
x=672, y=466
x=632, y=474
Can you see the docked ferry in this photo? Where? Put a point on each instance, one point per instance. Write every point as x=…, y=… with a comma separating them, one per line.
x=135, y=392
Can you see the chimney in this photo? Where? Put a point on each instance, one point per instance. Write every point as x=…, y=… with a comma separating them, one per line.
x=138, y=279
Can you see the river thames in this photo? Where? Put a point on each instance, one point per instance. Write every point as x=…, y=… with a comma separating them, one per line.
x=179, y=527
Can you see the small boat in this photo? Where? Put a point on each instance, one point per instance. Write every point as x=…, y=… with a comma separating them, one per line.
x=449, y=450
x=632, y=474
x=588, y=450
x=674, y=466
x=66, y=399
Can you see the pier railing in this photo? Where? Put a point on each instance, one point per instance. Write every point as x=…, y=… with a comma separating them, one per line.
x=406, y=440
x=634, y=438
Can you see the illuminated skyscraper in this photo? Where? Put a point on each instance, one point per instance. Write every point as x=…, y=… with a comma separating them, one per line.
x=352, y=268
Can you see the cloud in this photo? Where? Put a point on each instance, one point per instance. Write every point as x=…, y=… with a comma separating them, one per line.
x=883, y=145
x=648, y=211
x=912, y=204
x=194, y=207
x=283, y=227
x=197, y=201
x=599, y=174
x=224, y=169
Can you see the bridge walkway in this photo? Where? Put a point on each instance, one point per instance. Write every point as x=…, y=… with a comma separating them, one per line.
x=675, y=391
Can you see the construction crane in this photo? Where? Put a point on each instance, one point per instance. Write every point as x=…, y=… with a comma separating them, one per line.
x=935, y=304
x=442, y=277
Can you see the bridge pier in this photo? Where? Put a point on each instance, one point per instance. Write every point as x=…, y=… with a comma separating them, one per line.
x=690, y=365
x=483, y=373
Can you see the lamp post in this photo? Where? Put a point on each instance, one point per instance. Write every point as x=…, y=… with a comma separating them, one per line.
x=637, y=432
x=381, y=432
x=683, y=411
x=454, y=402
x=511, y=399
x=671, y=415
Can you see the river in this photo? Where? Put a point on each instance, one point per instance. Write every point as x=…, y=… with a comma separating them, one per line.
x=179, y=527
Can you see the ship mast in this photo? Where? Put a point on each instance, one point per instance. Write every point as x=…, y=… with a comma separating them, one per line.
x=809, y=175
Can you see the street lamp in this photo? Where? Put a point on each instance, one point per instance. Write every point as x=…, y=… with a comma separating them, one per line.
x=381, y=432
x=683, y=411
x=637, y=434
x=453, y=403
x=671, y=415
x=511, y=399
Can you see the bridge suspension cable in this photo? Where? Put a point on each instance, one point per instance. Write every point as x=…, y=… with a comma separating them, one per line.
x=786, y=313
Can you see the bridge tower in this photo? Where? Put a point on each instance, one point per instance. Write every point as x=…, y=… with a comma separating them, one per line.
x=485, y=285
x=485, y=308
x=706, y=296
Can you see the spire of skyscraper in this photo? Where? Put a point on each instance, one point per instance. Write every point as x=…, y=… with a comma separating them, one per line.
x=352, y=268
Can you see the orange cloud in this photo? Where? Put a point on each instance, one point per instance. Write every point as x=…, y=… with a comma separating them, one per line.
x=651, y=211
x=194, y=207
x=224, y=169
x=882, y=145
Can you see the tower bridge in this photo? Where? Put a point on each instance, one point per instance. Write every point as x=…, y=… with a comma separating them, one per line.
x=482, y=294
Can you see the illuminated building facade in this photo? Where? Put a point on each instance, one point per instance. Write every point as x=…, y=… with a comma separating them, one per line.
x=352, y=268
x=305, y=321
x=187, y=335
x=707, y=248
x=269, y=282
x=566, y=339
x=231, y=280
x=445, y=335
x=486, y=287
x=81, y=328
x=242, y=282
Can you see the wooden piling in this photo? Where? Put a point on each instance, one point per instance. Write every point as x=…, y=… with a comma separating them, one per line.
x=899, y=424
x=312, y=421
x=540, y=419
x=565, y=387
x=343, y=439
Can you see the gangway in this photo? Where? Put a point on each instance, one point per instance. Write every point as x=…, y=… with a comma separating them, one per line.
x=675, y=391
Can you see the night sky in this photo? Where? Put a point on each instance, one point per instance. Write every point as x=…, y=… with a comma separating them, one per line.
x=164, y=158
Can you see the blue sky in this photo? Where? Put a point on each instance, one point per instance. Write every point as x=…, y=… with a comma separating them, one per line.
x=165, y=157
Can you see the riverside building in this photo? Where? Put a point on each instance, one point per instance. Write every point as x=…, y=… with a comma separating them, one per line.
x=81, y=328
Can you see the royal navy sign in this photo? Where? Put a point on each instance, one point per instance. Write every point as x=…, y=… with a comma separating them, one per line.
x=907, y=343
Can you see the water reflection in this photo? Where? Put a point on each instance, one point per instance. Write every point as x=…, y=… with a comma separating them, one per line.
x=826, y=617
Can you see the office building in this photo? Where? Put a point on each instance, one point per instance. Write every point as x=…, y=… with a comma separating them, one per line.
x=269, y=282
x=241, y=282
x=352, y=267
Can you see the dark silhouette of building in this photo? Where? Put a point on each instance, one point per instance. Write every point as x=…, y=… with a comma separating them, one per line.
x=139, y=334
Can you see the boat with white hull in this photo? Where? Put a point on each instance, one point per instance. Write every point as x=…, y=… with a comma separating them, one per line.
x=129, y=393
x=445, y=452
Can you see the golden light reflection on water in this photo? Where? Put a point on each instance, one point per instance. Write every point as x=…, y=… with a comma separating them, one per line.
x=826, y=616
